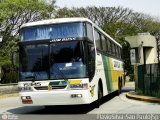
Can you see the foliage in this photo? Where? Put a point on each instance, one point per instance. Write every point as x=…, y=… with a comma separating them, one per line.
x=9, y=74
x=118, y=22
x=14, y=13
x=139, y=91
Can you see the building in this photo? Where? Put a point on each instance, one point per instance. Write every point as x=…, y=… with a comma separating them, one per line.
x=146, y=67
x=145, y=47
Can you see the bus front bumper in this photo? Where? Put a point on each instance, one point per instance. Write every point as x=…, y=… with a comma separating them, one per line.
x=67, y=97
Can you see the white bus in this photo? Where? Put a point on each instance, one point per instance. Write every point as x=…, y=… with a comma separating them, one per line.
x=67, y=61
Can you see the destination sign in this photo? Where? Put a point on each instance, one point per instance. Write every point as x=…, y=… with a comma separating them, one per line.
x=62, y=39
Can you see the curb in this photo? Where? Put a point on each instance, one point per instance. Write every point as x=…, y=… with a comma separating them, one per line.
x=142, y=98
x=9, y=95
x=9, y=84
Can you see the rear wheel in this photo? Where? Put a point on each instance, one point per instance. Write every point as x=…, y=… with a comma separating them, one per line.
x=119, y=85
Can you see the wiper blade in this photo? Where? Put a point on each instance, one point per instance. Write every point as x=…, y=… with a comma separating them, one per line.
x=31, y=77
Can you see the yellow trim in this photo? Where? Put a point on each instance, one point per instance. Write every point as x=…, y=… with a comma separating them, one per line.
x=73, y=82
x=115, y=74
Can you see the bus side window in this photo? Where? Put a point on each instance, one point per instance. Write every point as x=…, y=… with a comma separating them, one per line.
x=114, y=49
x=109, y=46
x=89, y=31
x=97, y=39
x=117, y=51
x=120, y=54
x=104, y=45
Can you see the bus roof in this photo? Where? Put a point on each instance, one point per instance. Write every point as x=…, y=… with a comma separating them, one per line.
x=66, y=20
x=57, y=20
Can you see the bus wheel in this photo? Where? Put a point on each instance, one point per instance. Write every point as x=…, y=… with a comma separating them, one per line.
x=119, y=86
x=98, y=101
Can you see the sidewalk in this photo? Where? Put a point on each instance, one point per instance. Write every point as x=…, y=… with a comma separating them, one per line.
x=9, y=95
x=133, y=95
x=8, y=90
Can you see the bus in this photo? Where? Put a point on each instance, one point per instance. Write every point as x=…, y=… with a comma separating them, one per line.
x=67, y=61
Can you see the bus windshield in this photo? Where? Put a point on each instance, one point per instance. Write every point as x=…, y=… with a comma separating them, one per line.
x=54, y=61
x=54, y=31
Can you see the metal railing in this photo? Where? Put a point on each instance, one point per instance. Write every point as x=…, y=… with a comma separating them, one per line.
x=149, y=79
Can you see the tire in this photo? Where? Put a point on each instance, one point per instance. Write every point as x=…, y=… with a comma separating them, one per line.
x=119, y=86
x=98, y=101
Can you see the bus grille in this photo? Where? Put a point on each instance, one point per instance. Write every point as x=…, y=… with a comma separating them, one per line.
x=53, y=87
x=59, y=87
x=41, y=88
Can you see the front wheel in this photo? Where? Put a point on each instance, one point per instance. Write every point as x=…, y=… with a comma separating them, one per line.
x=98, y=101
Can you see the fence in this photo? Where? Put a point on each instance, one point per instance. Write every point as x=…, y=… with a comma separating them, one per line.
x=149, y=79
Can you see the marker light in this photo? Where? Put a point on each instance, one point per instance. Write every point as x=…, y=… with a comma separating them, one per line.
x=26, y=100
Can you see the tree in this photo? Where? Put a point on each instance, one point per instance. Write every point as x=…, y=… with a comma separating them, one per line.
x=14, y=13
x=128, y=68
x=116, y=21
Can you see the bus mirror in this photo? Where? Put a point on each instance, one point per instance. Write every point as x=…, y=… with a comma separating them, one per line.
x=14, y=58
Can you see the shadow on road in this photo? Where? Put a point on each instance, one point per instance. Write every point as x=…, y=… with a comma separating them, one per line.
x=65, y=109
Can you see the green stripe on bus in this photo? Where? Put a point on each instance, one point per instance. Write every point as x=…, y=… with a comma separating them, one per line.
x=108, y=75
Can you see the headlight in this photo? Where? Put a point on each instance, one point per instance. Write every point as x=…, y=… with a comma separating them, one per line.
x=82, y=86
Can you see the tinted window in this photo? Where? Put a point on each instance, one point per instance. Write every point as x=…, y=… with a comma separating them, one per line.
x=89, y=31
x=113, y=49
x=65, y=30
x=34, y=62
x=104, y=43
x=120, y=53
x=55, y=61
x=110, y=45
x=67, y=59
x=91, y=60
x=97, y=39
x=117, y=51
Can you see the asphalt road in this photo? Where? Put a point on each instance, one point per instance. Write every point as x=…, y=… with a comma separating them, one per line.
x=110, y=104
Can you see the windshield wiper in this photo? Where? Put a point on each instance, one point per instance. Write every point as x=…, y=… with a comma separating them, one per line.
x=31, y=77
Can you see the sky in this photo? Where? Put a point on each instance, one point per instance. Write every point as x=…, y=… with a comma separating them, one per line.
x=150, y=7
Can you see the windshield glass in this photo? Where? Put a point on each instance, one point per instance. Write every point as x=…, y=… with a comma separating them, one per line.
x=67, y=58
x=63, y=30
x=59, y=60
x=34, y=62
